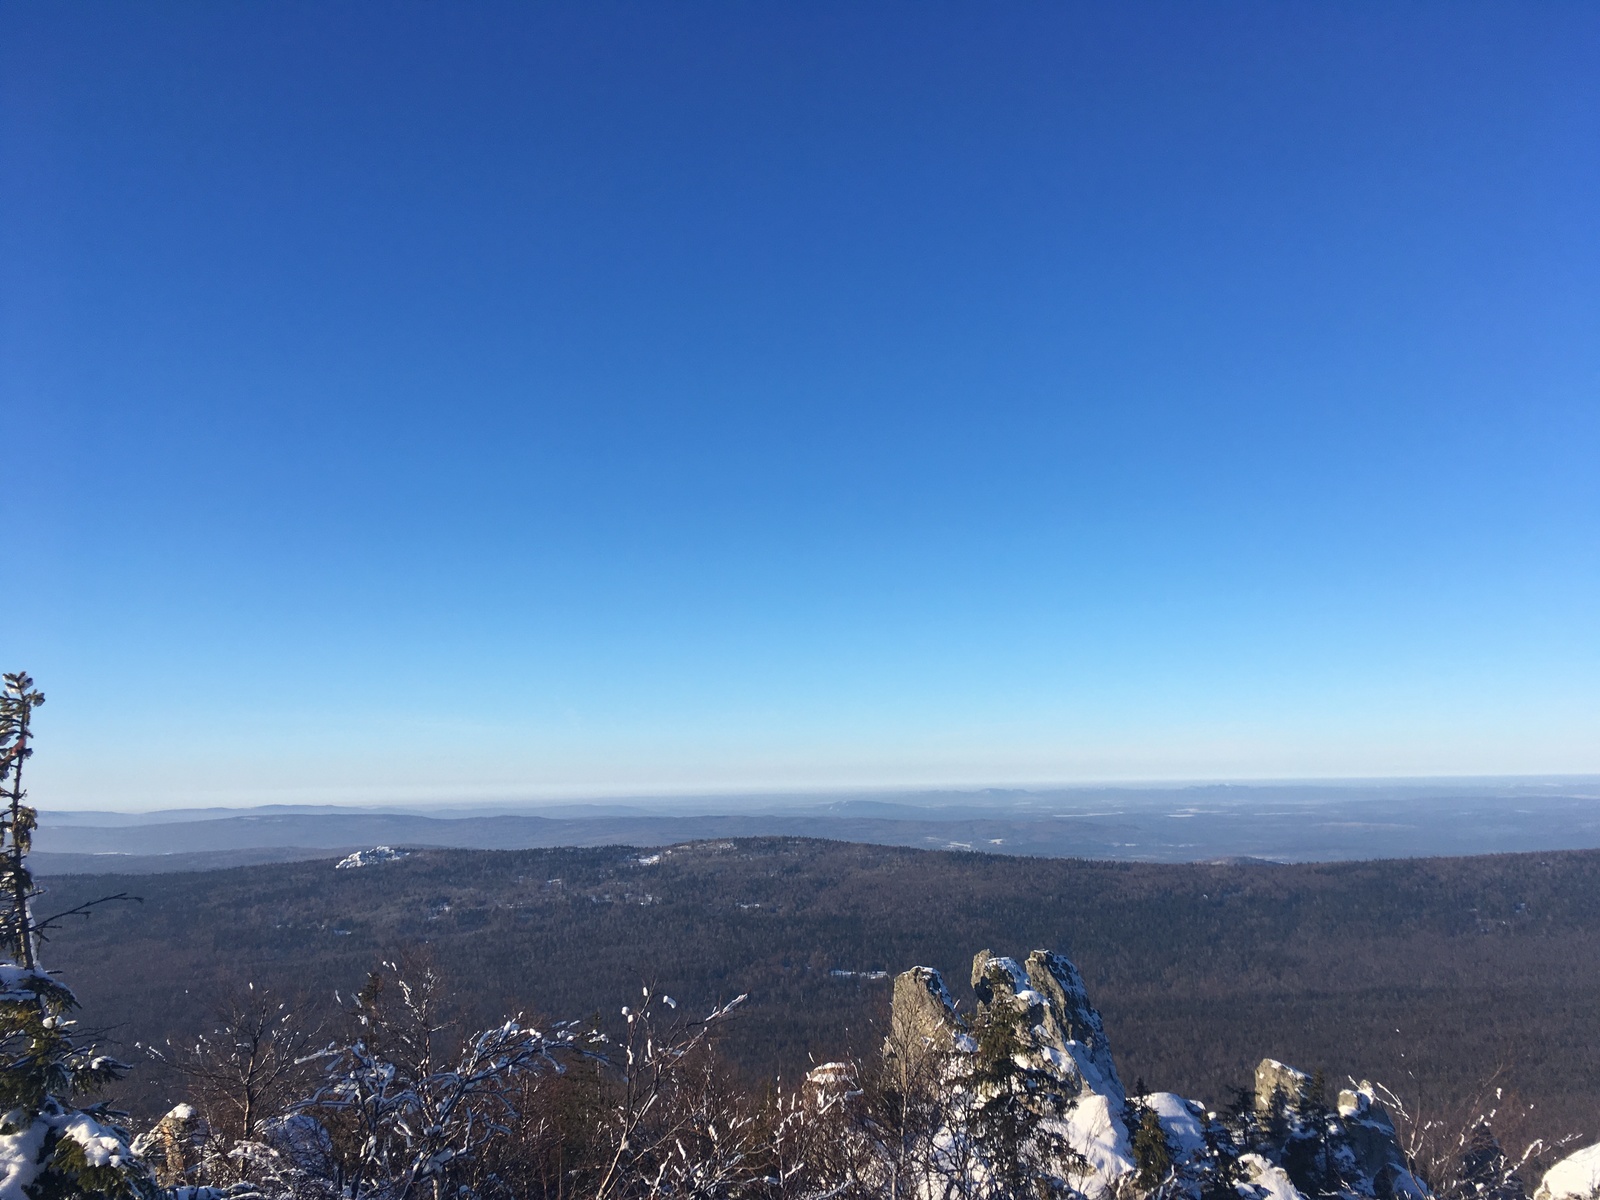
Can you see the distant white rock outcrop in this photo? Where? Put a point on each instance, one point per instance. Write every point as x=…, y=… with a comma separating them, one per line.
x=368, y=858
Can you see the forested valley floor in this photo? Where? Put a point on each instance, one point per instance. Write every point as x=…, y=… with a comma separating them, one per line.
x=1428, y=974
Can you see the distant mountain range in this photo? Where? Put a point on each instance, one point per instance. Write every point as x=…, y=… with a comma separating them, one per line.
x=1284, y=823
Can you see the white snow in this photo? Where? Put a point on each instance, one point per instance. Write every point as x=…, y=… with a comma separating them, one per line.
x=1270, y=1179
x=1357, y=1101
x=20, y=1150
x=1284, y=1069
x=21, y=983
x=1094, y=1132
x=1179, y=1121
x=832, y=1074
x=101, y=1147
x=367, y=858
x=1576, y=1175
x=19, y=1158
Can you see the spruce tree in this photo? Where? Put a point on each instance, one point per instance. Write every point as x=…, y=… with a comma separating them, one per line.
x=1015, y=1108
x=18, y=699
x=49, y=1148
x=1151, y=1152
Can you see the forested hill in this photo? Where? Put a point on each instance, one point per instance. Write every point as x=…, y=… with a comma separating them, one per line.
x=1426, y=973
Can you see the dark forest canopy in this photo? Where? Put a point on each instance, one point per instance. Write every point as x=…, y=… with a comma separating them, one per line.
x=1430, y=974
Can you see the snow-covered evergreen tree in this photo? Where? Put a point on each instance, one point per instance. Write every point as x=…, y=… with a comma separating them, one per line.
x=49, y=1146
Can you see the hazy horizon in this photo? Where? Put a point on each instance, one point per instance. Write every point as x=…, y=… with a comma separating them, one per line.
x=734, y=799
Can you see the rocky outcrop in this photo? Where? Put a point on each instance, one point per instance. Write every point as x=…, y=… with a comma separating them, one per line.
x=1052, y=1059
x=923, y=1020
x=1055, y=1017
x=175, y=1145
x=1349, y=1149
x=369, y=858
x=1035, y=1047
x=1367, y=1134
x=830, y=1082
x=1279, y=1086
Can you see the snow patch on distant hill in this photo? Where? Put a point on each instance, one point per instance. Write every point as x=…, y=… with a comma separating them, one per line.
x=368, y=858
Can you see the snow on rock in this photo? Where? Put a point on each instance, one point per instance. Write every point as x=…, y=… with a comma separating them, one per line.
x=1095, y=1131
x=1183, y=1121
x=1066, y=1040
x=1577, y=1175
x=174, y=1142
x=1368, y=1142
x=367, y=858
x=1072, y=1025
x=1062, y=1045
x=1055, y=1011
x=1058, y=1056
x=1269, y=1182
x=831, y=1082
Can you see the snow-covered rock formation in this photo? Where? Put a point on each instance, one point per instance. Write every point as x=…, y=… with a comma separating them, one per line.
x=1062, y=1037
x=1033, y=1062
x=1057, y=1018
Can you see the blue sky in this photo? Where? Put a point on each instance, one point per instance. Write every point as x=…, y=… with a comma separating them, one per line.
x=520, y=400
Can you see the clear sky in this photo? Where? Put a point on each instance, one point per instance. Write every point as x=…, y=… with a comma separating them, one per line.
x=411, y=400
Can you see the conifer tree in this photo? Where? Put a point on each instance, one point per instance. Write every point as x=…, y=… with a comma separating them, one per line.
x=18, y=699
x=1151, y=1152
x=1015, y=1107
x=49, y=1148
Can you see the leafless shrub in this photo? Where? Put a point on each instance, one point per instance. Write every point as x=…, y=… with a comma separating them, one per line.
x=1479, y=1148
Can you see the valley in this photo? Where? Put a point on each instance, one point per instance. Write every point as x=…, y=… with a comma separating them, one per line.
x=1427, y=974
